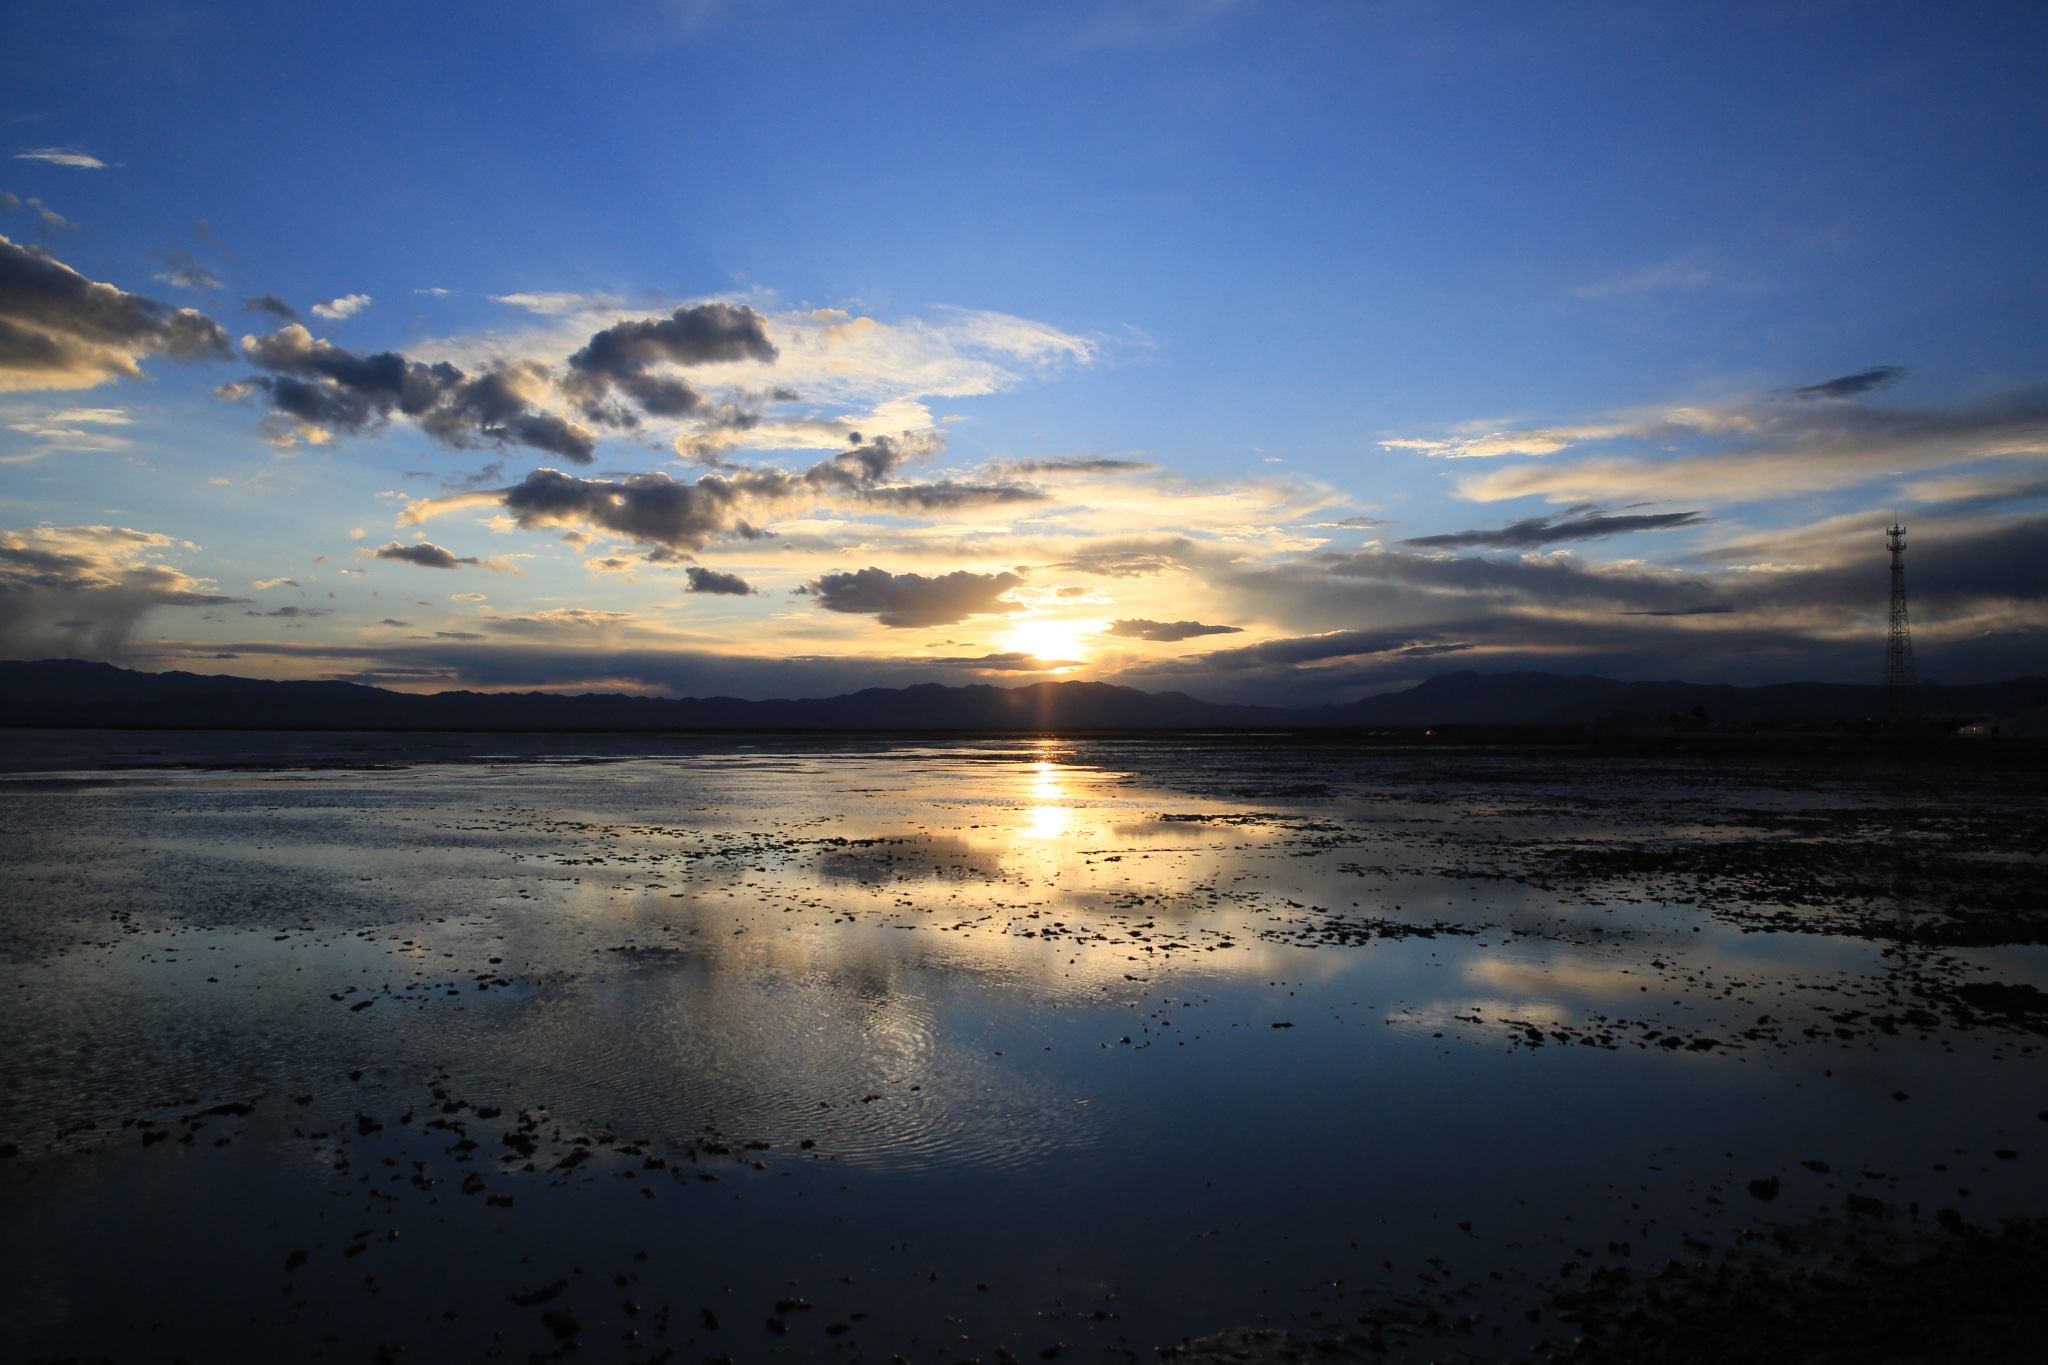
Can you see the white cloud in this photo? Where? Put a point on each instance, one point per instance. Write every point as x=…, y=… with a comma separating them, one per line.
x=347, y=306
x=61, y=156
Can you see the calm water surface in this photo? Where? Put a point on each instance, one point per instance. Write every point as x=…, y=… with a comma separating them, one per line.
x=367, y=1048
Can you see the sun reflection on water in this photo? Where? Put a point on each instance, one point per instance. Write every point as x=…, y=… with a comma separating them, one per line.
x=1047, y=818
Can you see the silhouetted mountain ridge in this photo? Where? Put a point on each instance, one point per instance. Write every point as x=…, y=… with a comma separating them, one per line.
x=75, y=693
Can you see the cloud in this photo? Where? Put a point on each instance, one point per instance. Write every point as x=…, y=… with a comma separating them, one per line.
x=1854, y=385
x=1752, y=450
x=263, y=584
x=49, y=216
x=428, y=555
x=1011, y=662
x=1531, y=532
x=547, y=304
x=711, y=581
x=1134, y=557
x=66, y=429
x=1078, y=464
x=78, y=591
x=293, y=612
x=909, y=599
x=848, y=373
x=660, y=510
x=182, y=270
x=346, y=306
x=272, y=305
x=623, y=358
x=1309, y=649
x=1166, y=631
x=60, y=330
x=323, y=388
x=1681, y=274
x=62, y=156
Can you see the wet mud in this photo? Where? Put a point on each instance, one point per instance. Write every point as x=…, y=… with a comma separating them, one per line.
x=488, y=1048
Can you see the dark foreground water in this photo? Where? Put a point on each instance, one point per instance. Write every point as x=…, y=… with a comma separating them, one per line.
x=373, y=1048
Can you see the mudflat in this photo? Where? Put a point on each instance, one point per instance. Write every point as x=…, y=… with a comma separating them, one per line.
x=497, y=1047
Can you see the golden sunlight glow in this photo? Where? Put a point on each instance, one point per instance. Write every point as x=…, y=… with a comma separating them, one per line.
x=1046, y=820
x=1050, y=638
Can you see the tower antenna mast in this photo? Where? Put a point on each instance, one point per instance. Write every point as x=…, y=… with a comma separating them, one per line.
x=1899, y=675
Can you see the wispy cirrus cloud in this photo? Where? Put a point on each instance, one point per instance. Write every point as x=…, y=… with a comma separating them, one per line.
x=62, y=156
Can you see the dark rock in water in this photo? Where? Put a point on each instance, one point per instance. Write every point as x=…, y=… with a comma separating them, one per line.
x=527, y=1298
x=562, y=1323
x=1764, y=1189
x=1817, y=1167
x=1864, y=1204
x=1981, y=1300
x=709, y=1318
x=294, y=1261
x=776, y=1325
x=1238, y=1346
x=472, y=1183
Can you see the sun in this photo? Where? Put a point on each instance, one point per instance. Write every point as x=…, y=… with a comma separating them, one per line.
x=1049, y=638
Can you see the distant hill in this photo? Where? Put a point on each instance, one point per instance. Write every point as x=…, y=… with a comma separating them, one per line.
x=1555, y=699
x=73, y=693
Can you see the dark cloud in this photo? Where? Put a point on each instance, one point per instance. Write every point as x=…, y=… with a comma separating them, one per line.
x=711, y=581
x=1166, y=631
x=618, y=359
x=1853, y=385
x=183, y=270
x=426, y=554
x=1550, y=581
x=293, y=613
x=910, y=599
x=947, y=496
x=1079, y=464
x=1012, y=662
x=1534, y=531
x=78, y=591
x=272, y=306
x=654, y=509
x=60, y=330
x=1136, y=557
x=1338, y=644
x=328, y=388
x=390, y=621
x=660, y=510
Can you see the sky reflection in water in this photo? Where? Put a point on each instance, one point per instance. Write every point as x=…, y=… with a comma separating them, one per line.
x=1182, y=1035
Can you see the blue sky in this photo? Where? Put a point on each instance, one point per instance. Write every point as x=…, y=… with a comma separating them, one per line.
x=1132, y=305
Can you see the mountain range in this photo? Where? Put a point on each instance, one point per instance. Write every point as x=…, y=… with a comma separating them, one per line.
x=77, y=694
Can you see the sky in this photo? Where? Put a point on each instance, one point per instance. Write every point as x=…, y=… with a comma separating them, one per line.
x=1283, y=352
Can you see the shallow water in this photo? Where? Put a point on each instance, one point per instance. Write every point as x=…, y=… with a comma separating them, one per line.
x=978, y=1048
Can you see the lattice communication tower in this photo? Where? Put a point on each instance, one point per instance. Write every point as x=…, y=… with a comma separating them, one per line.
x=1899, y=675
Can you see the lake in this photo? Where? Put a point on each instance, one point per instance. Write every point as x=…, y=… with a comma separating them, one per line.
x=467, y=1047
